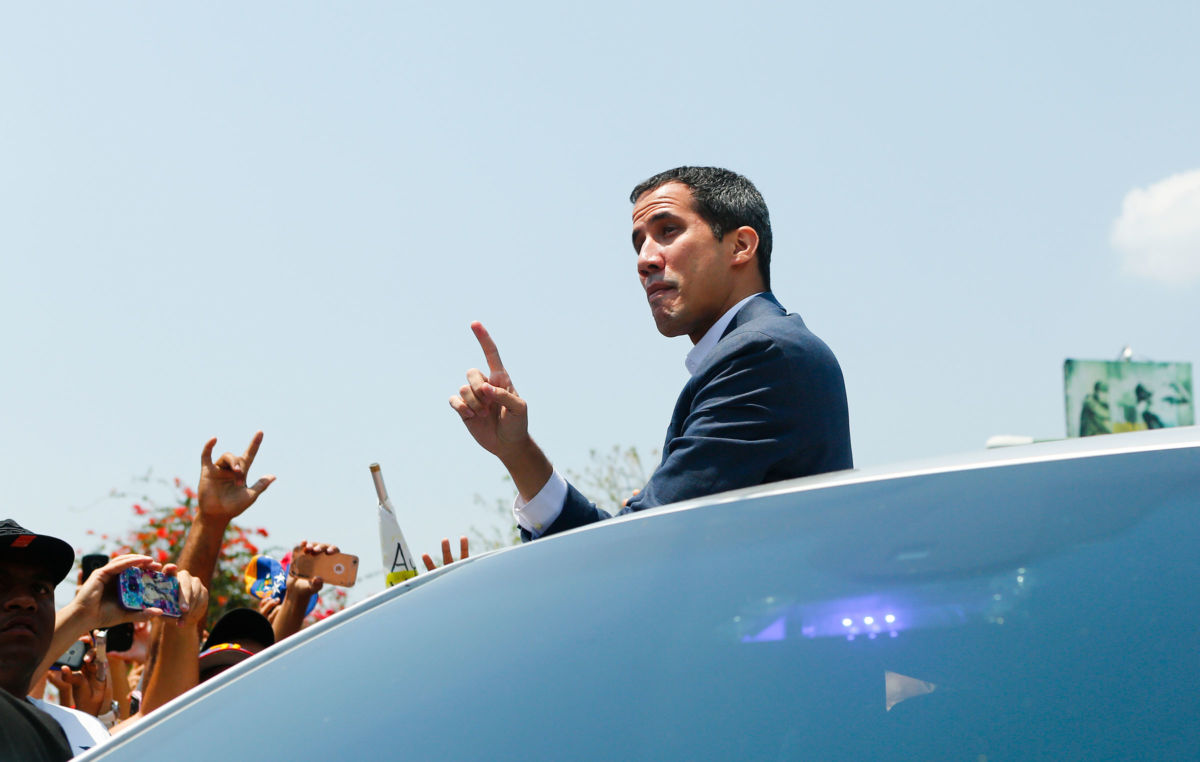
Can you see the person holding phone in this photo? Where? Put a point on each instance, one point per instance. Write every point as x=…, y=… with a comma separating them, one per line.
x=289, y=618
x=766, y=400
x=85, y=709
x=33, y=634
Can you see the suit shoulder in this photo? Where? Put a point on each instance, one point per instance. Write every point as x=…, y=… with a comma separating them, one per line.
x=786, y=334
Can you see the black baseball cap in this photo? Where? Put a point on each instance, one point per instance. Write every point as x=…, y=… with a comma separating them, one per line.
x=54, y=554
x=240, y=625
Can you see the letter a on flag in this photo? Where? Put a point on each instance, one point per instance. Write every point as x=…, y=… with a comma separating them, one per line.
x=397, y=560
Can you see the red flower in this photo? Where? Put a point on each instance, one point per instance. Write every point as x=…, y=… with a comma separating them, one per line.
x=191, y=493
x=139, y=510
x=261, y=532
x=162, y=532
x=181, y=510
x=162, y=556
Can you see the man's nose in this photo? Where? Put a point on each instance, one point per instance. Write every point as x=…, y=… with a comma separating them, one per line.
x=650, y=258
x=18, y=598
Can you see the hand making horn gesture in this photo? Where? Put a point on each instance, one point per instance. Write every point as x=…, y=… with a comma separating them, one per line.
x=223, y=493
x=489, y=406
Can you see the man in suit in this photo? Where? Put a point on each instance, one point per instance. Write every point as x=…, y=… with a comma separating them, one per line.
x=766, y=400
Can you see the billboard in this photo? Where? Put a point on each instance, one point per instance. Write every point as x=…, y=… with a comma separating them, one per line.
x=1108, y=397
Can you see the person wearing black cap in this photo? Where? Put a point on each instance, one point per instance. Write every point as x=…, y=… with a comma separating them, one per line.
x=32, y=634
x=31, y=566
x=235, y=637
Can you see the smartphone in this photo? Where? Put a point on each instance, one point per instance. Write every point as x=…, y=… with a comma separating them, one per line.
x=120, y=638
x=141, y=589
x=91, y=562
x=339, y=569
x=73, y=657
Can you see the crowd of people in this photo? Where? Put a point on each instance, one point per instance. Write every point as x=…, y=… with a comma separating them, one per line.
x=104, y=691
x=765, y=401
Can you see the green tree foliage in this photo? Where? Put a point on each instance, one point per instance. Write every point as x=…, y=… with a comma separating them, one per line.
x=609, y=479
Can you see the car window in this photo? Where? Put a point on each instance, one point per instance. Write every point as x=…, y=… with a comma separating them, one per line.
x=1030, y=611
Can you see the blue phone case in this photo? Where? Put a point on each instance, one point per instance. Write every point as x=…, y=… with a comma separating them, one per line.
x=140, y=589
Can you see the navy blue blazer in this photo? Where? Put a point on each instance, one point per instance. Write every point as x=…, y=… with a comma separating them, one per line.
x=768, y=403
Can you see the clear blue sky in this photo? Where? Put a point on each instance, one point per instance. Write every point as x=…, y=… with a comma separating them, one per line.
x=284, y=216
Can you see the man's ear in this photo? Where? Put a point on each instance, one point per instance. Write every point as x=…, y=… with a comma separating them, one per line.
x=745, y=245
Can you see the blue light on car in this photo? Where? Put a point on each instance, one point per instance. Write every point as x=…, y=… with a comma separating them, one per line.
x=927, y=606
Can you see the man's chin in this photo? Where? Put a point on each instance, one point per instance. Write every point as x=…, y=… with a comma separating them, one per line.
x=19, y=659
x=669, y=328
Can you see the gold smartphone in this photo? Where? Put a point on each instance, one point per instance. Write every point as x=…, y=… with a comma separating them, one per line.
x=339, y=569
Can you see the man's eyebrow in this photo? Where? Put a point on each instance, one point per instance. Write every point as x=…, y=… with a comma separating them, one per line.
x=45, y=579
x=652, y=218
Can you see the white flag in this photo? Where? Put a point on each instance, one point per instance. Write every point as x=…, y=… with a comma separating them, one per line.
x=398, y=564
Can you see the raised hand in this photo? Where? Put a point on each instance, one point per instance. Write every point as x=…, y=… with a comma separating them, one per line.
x=96, y=604
x=308, y=586
x=193, y=598
x=498, y=419
x=91, y=689
x=447, y=557
x=289, y=617
x=222, y=491
x=269, y=607
x=489, y=406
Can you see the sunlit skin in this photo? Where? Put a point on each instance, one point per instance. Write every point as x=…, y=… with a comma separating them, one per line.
x=691, y=279
x=26, y=622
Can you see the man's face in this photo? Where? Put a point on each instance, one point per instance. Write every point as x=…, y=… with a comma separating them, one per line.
x=26, y=622
x=683, y=268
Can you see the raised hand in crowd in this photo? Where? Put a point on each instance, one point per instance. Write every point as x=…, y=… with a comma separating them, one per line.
x=222, y=492
x=66, y=696
x=289, y=617
x=96, y=606
x=447, y=558
x=222, y=495
x=269, y=607
x=498, y=419
x=126, y=667
x=176, y=666
x=91, y=688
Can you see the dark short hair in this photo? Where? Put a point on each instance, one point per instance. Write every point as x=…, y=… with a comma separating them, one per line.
x=723, y=199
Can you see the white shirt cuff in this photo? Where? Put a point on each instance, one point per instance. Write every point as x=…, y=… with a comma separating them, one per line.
x=540, y=512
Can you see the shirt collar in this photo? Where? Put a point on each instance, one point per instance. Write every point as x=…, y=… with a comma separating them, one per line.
x=703, y=347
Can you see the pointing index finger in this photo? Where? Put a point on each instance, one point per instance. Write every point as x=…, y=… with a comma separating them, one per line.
x=489, y=347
